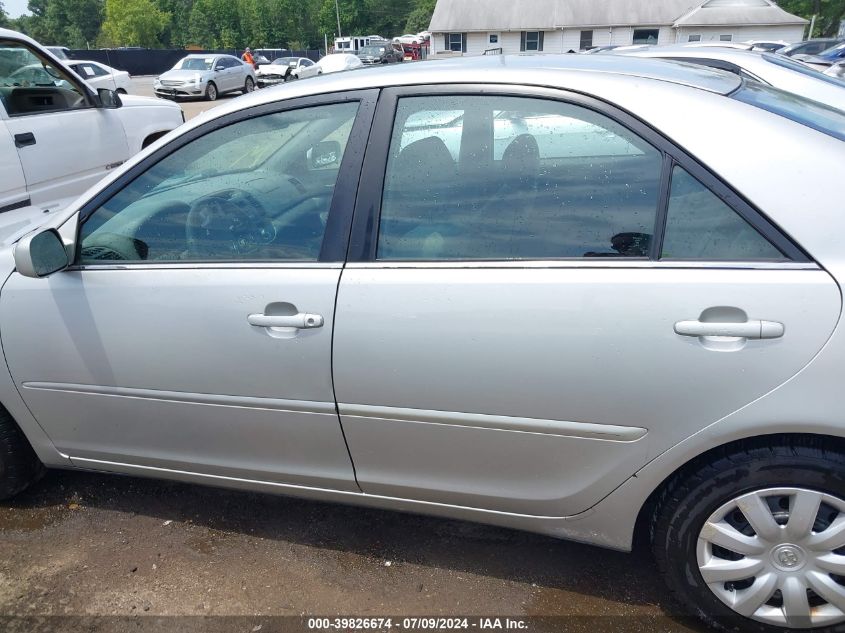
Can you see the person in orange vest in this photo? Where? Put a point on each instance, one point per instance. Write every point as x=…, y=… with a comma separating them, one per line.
x=248, y=58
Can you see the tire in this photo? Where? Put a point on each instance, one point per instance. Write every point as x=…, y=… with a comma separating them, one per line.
x=211, y=92
x=19, y=466
x=783, y=551
x=249, y=85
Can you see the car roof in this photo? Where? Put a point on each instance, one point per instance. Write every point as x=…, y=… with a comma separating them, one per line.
x=561, y=71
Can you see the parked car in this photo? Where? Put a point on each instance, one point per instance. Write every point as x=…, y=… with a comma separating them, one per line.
x=261, y=60
x=825, y=59
x=383, y=53
x=623, y=326
x=281, y=70
x=333, y=63
x=767, y=46
x=408, y=38
x=205, y=76
x=837, y=70
x=809, y=47
x=58, y=135
x=101, y=76
x=769, y=68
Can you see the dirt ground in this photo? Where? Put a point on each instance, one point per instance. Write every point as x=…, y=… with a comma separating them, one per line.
x=80, y=544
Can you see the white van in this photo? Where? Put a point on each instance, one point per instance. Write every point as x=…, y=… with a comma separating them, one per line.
x=58, y=136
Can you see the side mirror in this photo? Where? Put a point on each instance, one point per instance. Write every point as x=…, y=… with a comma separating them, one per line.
x=109, y=99
x=41, y=254
x=324, y=154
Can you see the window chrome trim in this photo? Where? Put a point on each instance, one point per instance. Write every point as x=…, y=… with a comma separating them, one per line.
x=588, y=264
x=222, y=265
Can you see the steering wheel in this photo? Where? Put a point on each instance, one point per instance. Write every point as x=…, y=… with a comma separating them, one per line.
x=219, y=228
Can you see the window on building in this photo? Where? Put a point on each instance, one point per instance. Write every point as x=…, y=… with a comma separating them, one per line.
x=586, y=40
x=694, y=38
x=494, y=38
x=646, y=36
x=726, y=38
x=456, y=42
x=531, y=41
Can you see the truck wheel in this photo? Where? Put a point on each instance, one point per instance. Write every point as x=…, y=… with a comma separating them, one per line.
x=249, y=85
x=754, y=538
x=19, y=466
x=211, y=92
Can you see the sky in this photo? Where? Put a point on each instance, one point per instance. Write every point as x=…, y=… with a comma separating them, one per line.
x=15, y=8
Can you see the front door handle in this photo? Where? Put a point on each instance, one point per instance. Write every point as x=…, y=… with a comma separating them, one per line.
x=747, y=329
x=301, y=321
x=22, y=140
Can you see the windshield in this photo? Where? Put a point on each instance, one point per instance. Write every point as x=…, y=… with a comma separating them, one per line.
x=285, y=61
x=834, y=53
x=371, y=50
x=786, y=62
x=195, y=63
x=57, y=51
x=793, y=107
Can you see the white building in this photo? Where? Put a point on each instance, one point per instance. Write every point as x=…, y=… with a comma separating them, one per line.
x=558, y=26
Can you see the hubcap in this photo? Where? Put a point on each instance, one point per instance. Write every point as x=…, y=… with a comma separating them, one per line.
x=778, y=556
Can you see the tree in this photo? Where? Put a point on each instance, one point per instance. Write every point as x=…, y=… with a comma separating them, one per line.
x=829, y=14
x=73, y=23
x=420, y=18
x=133, y=23
x=4, y=19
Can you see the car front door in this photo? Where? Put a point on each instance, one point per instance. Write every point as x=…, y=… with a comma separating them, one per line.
x=12, y=182
x=193, y=332
x=52, y=120
x=543, y=294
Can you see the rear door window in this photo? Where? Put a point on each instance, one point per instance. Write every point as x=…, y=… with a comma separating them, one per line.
x=478, y=177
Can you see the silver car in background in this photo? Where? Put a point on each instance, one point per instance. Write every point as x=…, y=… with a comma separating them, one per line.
x=205, y=76
x=769, y=68
x=554, y=293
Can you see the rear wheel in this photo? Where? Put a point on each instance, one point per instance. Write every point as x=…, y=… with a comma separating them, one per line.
x=19, y=466
x=755, y=538
x=211, y=92
x=249, y=85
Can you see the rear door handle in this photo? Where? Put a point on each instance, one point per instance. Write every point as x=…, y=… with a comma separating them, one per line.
x=301, y=321
x=22, y=140
x=747, y=329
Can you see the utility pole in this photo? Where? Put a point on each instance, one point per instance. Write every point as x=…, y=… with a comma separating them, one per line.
x=337, y=10
x=812, y=27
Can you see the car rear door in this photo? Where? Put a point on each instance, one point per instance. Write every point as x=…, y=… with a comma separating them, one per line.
x=543, y=294
x=193, y=333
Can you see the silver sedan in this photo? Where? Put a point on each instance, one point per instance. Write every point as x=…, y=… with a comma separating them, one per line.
x=205, y=76
x=564, y=299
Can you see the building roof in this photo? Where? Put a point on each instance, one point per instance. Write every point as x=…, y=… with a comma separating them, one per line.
x=511, y=15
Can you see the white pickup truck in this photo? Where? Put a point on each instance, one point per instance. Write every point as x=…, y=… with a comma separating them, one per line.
x=58, y=136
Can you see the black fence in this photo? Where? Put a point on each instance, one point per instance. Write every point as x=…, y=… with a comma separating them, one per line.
x=154, y=61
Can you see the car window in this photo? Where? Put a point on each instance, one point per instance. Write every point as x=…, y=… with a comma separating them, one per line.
x=30, y=84
x=306, y=62
x=259, y=189
x=700, y=226
x=195, y=63
x=475, y=177
x=791, y=64
x=794, y=107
